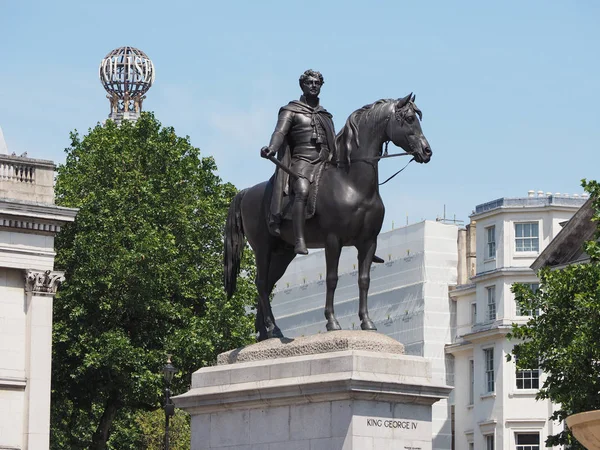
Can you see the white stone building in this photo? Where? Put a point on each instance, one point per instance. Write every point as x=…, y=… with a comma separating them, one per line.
x=408, y=299
x=494, y=404
x=29, y=220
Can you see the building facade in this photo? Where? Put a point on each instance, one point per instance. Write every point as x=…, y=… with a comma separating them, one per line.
x=408, y=299
x=29, y=220
x=494, y=404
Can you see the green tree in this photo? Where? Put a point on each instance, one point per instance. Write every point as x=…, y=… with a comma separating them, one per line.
x=563, y=339
x=151, y=425
x=143, y=266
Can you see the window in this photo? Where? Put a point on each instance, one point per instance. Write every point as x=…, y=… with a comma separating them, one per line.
x=491, y=303
x=527, y=441
x=489, y=442
x=527, y=237
x=471, y=381
x=473, y=313
x=489, y=369
x=529, y=311
x=527, y=378
x=491, y=241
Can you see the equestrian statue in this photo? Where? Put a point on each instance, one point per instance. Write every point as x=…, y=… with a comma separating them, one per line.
x=324, y=194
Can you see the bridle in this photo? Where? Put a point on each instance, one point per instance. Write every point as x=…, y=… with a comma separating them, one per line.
x=372, y=160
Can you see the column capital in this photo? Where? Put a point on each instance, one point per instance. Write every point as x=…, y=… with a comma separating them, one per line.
x=40, y=282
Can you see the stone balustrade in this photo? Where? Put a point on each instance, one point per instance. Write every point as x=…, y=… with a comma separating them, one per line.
x=13, y=171
x=27, y=179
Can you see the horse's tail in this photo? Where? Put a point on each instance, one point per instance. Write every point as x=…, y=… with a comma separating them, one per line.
x=234, y=244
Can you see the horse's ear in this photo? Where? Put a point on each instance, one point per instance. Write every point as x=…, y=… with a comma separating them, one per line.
x=413, y=98
x=403, y=101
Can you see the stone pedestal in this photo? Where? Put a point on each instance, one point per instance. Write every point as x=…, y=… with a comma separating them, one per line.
x=349, y=390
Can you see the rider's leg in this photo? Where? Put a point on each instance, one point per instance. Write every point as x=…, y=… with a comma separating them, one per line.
x=301, y=186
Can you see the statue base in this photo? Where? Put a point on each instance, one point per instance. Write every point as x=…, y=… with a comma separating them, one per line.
x=345, y=390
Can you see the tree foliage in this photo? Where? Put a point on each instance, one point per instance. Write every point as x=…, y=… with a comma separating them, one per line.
x=143, y=267
x=151, y=424
x=563, y=339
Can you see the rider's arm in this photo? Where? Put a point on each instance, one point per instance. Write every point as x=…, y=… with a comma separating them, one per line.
x=284, y=123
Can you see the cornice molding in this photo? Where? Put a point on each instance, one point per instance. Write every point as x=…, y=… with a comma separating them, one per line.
x=502, y=271
x=29, y=225
x=24, y=209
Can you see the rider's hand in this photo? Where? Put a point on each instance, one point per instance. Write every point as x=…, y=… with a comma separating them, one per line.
x=266, y=152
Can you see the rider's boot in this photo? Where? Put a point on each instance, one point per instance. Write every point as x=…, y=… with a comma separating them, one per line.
x=298, y=220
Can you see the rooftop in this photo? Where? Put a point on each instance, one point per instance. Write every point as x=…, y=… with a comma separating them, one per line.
x=533, y=200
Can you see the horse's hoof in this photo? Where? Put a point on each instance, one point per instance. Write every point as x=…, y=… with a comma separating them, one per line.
x=277, y=333
x=368, y=325
x=333, y=325
x=262, y=336
x=300, y=247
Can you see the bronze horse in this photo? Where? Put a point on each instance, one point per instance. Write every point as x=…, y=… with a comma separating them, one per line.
x=348, y=212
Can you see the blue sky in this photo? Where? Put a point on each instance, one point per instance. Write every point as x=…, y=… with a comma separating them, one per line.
x=510, y=91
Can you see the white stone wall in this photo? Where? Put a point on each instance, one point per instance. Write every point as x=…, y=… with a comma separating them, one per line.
x=313, y=426
x=26, y=250
x=13, y=322
x=25, y=362
x=29, y=220
x=12, y=325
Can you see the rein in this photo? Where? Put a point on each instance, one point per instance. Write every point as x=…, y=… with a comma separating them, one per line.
x=380, y=184
x=377, y=158
x=370, y=160
x=385, y=155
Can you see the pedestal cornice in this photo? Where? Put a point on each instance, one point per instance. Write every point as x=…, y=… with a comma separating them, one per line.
x=358, y=370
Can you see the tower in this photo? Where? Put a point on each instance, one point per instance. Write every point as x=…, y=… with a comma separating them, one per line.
x=126, y=74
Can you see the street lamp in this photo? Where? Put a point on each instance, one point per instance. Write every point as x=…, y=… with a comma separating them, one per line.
x=168, y=372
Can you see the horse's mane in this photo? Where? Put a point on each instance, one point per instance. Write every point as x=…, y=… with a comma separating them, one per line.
x=347, y=140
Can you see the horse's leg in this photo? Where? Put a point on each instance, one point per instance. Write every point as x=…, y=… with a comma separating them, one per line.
x=279, y=263
x=366, y=250
x=259, y=322
x=333, y=248
x=267, y=327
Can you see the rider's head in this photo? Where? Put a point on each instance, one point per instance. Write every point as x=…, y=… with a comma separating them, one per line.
x=311, y=82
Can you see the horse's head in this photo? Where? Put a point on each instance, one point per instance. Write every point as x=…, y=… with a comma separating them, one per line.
x=404, y=129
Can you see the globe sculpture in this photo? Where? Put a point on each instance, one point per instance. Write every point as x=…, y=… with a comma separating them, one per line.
x=126, y=74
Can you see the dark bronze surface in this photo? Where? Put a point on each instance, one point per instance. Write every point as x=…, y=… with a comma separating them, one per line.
x=349, y=210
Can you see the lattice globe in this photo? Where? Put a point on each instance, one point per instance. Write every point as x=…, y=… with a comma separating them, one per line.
x=126, y=73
